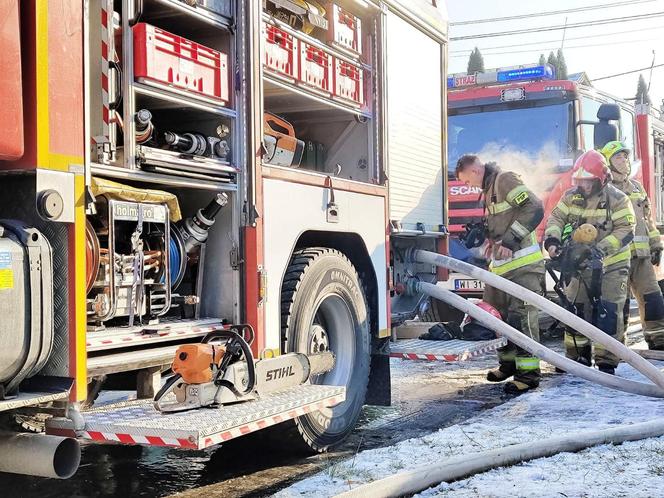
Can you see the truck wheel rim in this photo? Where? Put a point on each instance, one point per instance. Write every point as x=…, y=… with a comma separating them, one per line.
x=333, y=326
x=318, y=340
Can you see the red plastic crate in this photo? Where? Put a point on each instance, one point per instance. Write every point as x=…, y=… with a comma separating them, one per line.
x=348, y=82
x=345, y=29
x=281, y=51
x=316, y=67
x=160, y=56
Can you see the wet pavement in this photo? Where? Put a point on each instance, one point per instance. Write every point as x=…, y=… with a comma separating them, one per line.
x=426, y=396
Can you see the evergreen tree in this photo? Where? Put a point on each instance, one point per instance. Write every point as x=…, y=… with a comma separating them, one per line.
x=561, y=68
x=553, y=61
x=475, y=62
x=642, y=96
x=542, y=60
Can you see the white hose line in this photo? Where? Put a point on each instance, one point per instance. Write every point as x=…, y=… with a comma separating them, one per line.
x=561, y=314
x=458, y=467
x=537, y=349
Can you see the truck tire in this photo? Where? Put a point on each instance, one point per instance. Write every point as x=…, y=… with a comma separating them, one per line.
x=323, y=307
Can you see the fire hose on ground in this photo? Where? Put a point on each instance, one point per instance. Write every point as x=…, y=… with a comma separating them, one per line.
x=577, y=323
x=451, y=469
x=458, y=467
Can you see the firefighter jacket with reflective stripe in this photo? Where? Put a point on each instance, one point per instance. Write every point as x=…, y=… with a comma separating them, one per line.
x=646, y=236
x=512, y=214
x=609, y=210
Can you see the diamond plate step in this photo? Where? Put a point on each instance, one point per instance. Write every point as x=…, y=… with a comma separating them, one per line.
x=138, y=422
x=38, y=390
x=418, y=349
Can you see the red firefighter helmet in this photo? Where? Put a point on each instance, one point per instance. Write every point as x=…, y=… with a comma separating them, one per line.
x=486, y=307
x=591, y=165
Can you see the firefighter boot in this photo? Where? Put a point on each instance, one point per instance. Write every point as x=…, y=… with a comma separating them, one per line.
x=606, y=368
x=527, y=374
x=577, y=348
x=507, y=368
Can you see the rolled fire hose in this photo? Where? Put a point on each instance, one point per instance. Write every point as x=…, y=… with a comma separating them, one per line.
x=454, y=468
x=561, y=314
x=535, y=347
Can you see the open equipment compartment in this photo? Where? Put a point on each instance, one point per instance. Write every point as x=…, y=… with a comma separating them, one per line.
x=319, y=94
x=164, y=176
x=165, y=66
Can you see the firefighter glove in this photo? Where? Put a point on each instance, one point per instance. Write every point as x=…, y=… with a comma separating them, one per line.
x=552, y=244
x=656, y=257
x=510, y=241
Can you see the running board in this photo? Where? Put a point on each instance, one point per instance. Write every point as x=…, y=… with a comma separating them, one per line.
x=456, y=350
x=138, y=422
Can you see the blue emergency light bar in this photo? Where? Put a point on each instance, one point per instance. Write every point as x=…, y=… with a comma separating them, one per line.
x=539, y=72
x=506, y=75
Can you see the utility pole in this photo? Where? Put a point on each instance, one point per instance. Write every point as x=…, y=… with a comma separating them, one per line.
x=651, y=68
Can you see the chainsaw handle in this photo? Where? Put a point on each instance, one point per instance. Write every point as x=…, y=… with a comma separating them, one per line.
x=165, y=388
x=239, y=330
x=234, y=339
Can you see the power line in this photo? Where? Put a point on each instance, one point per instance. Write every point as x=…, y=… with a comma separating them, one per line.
x=603, y=35
x=626, y=72
x=549, y=13
x=583, y=24
x=569, y=47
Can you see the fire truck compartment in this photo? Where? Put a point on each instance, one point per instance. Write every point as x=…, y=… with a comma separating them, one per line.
x=338, y=139
x=138, y=422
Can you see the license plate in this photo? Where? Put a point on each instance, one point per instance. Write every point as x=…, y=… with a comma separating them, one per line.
x=468, y=284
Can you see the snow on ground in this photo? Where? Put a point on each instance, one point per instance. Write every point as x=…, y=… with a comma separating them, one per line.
x=562, y=405
x=633, y=469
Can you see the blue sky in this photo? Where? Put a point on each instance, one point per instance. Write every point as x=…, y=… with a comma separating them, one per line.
x=598, y=50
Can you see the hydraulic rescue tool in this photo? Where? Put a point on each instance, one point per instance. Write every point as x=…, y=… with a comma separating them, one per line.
x=144, y=127
x=221, y=370
x=148, y=250
x=197, y=144
x=577, y=255
x=194, y=230
x=281, y=146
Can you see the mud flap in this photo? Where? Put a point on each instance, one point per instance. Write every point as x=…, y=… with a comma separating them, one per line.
x=379, y=390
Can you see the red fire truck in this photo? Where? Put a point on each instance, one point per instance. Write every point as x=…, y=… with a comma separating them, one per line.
x=204, y=184
x=527, y=120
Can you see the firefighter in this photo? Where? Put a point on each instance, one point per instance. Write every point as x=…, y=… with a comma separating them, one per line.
x=646, y=248
x=594, y=200
x=512, y=212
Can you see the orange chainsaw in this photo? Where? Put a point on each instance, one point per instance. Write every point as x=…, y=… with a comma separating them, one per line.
x=221, y=370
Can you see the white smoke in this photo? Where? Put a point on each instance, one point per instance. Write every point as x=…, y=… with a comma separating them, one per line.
x=536, y=169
